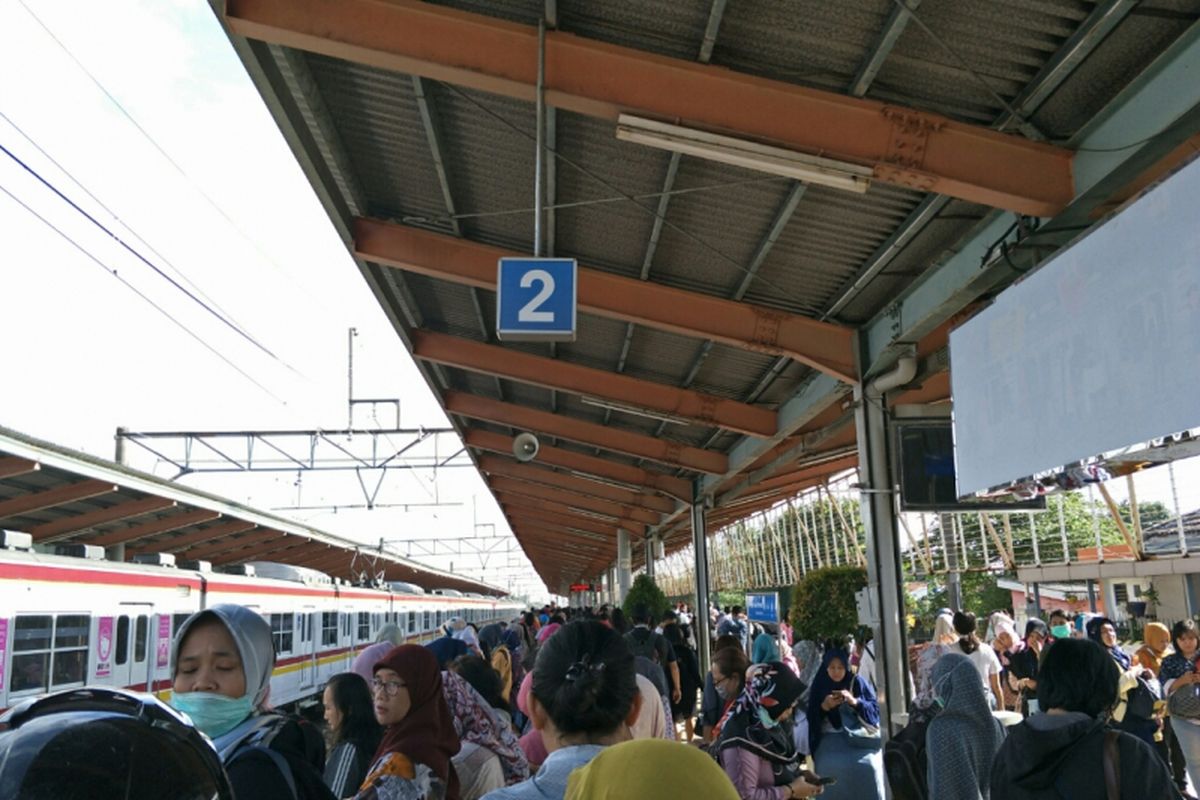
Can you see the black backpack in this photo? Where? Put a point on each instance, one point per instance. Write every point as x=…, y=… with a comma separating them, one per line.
x=296, y=748
x=641, y=642
x=905, y=764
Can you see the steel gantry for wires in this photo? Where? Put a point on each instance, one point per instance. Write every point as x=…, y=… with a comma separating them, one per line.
x=371, y=453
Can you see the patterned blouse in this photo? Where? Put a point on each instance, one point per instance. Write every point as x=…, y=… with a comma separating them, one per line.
x=395, y=777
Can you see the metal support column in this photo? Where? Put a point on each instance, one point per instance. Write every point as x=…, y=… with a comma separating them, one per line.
x=1091, y=584
x=1037, y=601
x=700, y=549
x=884, y=579
x=648, y=544
x=624, y=564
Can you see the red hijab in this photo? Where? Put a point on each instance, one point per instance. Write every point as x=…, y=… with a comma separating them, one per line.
x=426, y=734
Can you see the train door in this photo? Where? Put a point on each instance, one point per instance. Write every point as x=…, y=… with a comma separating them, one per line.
x=122, y=646
x=307, y=649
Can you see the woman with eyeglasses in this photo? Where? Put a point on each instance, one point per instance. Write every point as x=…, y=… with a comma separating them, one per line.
x=728, y=672
x=419, y=740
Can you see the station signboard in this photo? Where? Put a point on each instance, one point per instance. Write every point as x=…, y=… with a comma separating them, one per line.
x=762, y=606
x=536, y=299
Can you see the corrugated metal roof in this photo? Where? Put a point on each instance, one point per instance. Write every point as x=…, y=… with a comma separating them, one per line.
x=973, y=59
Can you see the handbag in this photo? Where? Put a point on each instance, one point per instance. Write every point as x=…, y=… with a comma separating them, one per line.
x=858, y=733
x=1140, y=702
x=1185, y=703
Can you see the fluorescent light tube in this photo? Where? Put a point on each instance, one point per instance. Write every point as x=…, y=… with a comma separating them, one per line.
x=746, y=154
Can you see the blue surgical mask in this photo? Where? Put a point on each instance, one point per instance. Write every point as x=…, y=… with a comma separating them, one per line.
x=213, y=714
x=1061, y=631
x=722, y=691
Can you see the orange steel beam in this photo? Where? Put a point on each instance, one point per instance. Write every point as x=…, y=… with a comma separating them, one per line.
x=13, y=467
x=320, y=553
x=640, y=445
x=128, y=510
x=914, y=149
x=538, y=491
x=585, y=464
x=280, y=541
x=801, y=473
x=155, y=527
x=177, y=543
x=494, y=465
x=562, y=534
x=552, y=373
x=558, y=554
x=207, y=551
x=524, y=508
x=568, y=512
x=821, y=345
x=549, y=541
x=58, y=496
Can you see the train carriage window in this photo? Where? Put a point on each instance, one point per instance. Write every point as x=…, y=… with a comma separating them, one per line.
x=122, y=654
x=141, y=638
x=282, y=630
x=329, y=628
x=31, y=653
x=428, y=621
x=412, y=622
x=364, y=626
x=68, y=663
x=345, y=625
x=177, y=621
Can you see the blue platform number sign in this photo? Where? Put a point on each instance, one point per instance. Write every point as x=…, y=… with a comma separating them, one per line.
x=762, y=606
x=535, y=299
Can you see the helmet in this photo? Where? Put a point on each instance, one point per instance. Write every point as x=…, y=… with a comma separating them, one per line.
x=101, y=743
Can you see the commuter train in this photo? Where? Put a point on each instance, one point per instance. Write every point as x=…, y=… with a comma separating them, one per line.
x=72, y=621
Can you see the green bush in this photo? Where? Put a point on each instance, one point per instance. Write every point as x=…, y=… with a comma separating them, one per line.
x=645, y=591
x=822, y=604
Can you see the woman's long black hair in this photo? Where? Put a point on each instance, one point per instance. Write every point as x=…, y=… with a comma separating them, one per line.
x=353, y=699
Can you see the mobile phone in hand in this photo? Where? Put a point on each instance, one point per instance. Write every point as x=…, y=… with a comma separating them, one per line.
x=827, y=780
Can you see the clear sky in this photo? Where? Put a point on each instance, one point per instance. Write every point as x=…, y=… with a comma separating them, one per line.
x=236, y=219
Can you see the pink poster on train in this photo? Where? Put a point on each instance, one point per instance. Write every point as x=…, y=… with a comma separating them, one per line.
x=164, y=641
x=3, y=649
x=104, y=643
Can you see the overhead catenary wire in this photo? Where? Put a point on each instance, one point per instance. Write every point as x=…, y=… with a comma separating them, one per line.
x=142, y=295
x=153, y=143
x=136, y=254
x=117, y=219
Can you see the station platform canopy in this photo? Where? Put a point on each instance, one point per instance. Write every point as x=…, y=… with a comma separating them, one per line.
x=770, y=204
x=63, y=497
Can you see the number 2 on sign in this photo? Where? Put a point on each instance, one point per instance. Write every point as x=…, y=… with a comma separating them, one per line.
x=529, y=312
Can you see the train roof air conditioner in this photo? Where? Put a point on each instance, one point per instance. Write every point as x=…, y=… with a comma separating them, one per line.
x=155, y=559
x=246, y=570
x=15, y=540
x=92, y=552
x=195, y=565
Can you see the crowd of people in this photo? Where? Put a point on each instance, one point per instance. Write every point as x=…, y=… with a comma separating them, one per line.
x=585, y=703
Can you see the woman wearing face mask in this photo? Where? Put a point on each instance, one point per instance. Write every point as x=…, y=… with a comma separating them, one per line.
x=729, y=678
x=838, y=700
x=1024, y=664
x=962, y=740
x=1060, y=625
x=755, y=746
x=712, y=707
x=419, y=739
x=221, y=664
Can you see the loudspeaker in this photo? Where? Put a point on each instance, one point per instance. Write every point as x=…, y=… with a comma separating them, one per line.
x=525, y=447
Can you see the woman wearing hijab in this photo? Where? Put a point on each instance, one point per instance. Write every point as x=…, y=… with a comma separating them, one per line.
x=1156, y=646
x=755, y=746
x=419, y=739
x=839, y=698
x=650, y=769
x=1103, y=632
x=491, y=756
x=221, y=664
x=728, y=673
x=766, y=646
x=945, y=640
x=808, y=659
x=1024, y=664
x=962, y=740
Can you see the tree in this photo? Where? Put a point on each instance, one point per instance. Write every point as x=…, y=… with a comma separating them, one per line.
x=823, y=605
x=645, y=592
